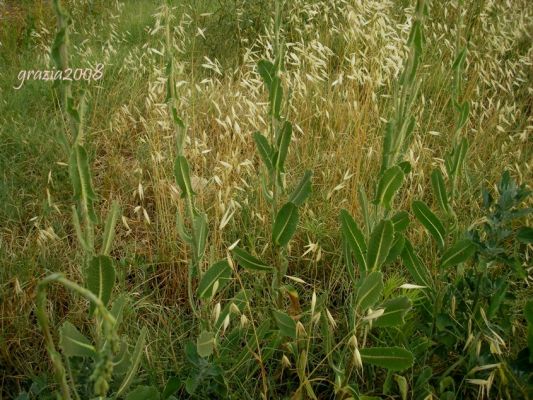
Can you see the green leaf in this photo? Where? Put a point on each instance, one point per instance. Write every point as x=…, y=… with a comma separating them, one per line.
x=246, y=260
x=172, y=386
x=525, y=235
x=497, y=298
x=396, y=248
x=463, y=115
x=73, y=343
x=122, y=360
x=355, y=238
x=285, y=224
x=400, y=221
x=369, y=290
x=117, y=309
x=302, y=191
x=219, y=272
x=391, y=358
x=143, y=393
x=182, y=176
x=439, y=190
x=267, y=70
x=264, y=149
x=395, y=310
x=285, y=323
x=80, y=177
x=458, y=253
x=109, y=228
x=100, y=278
x=205, y=344
x=285, y=135
x=200, y=230
x=430, y=221
x=379, y=244
x=414, y=265
x=403, y=386
x=275, y=97
x=389, y=183
x=182, y=232
x=135, y=362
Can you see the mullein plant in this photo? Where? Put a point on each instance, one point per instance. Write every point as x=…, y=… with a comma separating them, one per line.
x=369, y=249
x=107, y=355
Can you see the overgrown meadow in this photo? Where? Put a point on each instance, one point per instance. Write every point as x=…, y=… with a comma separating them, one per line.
x=248, y=199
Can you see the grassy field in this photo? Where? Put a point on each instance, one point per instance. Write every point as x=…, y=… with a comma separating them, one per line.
x=323, y=199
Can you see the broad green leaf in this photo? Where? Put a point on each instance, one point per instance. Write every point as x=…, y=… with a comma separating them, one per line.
x=73, y=343
x=79, y=233
x=117, y=309
x=122, y=360
x=459, y=60
x=458, y=253
x=283, y=145
x=109, y=228
x=80, y=177
x=275, y=97
x=396, y=248
x=246, y=260
x=497, y=298
x=267, y=70
x=391, y=358
x=100, y=278
x=400, y=221
x=200, y=230
x=439, y=190
x=219, y=272
x=414, y=265
x=182, y=176
x=205, y=344
x=302, y=191
x=389, y=183
x=285, y=323
x=135, y=362
x=430, y=221
x=264, y=149
x=363, y=203
x=395, y=310
x=172, y=386
x=405, y=166
x=525, y=234
x=285, y=224
x=143, y=393
x=379, y=244
x=182, y=231
x=355, y=238
x=369, y=290
x=463, y=115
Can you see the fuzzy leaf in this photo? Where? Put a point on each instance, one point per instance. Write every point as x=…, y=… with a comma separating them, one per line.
x=100, y=278
x=267, y=70
x=414, y=265
x=400, y=221
x=395, y=310
x=285, y=224
x=182, y=176
x=379, y=244
x=439, y=190
x=246, y=260
x=302, y=191
x=219, y=272
x=391, y=358
x=355, y=238
x=285, y=323
x=275, y=97
x=80, y=177
x=109, y=229
x=430, y=221
x=73, y=343
x=458, y=253
x=369, y=290
x=396, y=248
x=284, y=140
x=389, y=183
x=200, y=230
x=143, y=393
x=205, y=344
x=135, y=362
x=264, y=149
